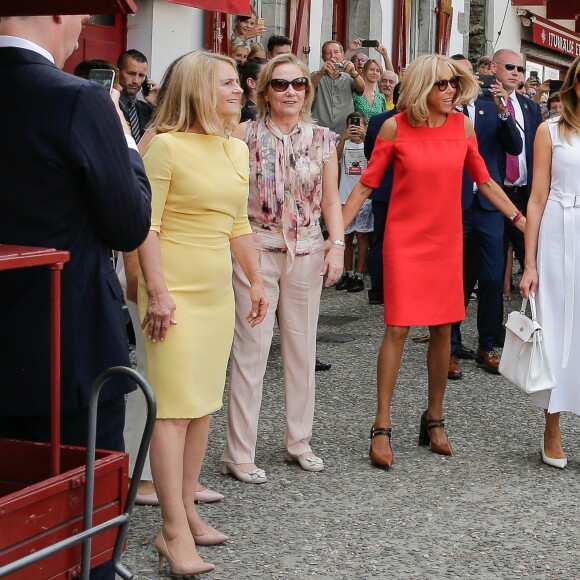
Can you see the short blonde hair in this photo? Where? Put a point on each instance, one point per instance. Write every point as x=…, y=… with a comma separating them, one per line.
x=420, y=78
x=191, y=96
x=267, y=75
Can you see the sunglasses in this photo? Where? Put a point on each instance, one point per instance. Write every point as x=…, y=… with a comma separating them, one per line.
x=443, y=84
x=510, y=67
x=521, y=86
x=281, y=85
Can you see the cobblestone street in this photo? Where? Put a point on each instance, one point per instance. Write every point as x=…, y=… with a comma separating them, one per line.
x=493, y=510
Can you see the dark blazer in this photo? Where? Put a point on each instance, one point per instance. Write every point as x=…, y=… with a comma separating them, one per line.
x=383, y=191
x=495, y=138
x=144, y=112
x=70, y=182
x=532, y=120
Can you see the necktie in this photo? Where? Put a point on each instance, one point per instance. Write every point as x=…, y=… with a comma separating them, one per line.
x=512, y=167
x=134, y=120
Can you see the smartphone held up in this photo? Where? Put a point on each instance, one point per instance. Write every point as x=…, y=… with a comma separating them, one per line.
x=104, y=76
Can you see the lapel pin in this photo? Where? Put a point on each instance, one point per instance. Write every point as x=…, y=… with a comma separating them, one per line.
x=480, y=112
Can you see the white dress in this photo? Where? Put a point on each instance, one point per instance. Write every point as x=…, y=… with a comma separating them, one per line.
x=558, y=263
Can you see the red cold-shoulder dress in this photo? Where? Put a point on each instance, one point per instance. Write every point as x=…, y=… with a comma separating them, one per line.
x=423, y=244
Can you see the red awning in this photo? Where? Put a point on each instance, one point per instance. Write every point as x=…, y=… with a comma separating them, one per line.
x=552, y=35
x=45, y=7
x=242, y=7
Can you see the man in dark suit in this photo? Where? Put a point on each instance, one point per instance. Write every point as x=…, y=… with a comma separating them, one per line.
x=132, y=66
x=69, y=181
x=380, y=203
x=483, y=229
x=507, y=65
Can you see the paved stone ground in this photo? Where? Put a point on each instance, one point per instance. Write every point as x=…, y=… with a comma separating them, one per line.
x=493, y=510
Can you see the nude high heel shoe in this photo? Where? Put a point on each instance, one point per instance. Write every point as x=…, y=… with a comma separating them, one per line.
x=179, y=569
x=210, y=538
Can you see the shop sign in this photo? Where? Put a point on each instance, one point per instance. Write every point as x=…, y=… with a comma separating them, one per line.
x=547, y=34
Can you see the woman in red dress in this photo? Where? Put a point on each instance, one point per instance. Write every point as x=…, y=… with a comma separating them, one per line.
x=429, y=144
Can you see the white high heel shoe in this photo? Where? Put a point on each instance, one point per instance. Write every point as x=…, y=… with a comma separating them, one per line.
x=560, y=463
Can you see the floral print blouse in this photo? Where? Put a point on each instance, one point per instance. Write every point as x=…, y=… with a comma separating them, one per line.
x=286, y=185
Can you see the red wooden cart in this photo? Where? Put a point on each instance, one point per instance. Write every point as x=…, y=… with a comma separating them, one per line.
x=54, y=497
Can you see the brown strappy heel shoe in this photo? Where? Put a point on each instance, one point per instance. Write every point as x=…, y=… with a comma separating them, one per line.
x=425, y=435
x=376, y=458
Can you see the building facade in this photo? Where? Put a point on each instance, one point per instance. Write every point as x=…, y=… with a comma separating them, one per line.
x=544, y=31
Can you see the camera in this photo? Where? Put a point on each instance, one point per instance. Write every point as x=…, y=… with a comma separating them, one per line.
x=369, y=43
x=338, y=65
x=355, y=121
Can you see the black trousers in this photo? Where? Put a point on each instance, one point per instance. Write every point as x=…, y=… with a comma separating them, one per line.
x=110, y=424
x=519, y=197
x=376, y=250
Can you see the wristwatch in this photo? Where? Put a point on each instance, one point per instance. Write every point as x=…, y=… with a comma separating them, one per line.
x=504, y=116
x=339, y=243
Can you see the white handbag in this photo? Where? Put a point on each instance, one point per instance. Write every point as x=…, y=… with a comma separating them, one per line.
x=524, y=361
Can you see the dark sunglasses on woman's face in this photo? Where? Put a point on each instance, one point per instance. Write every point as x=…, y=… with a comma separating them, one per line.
x=521, y=86
x=510, y=67
x=443, y=84
x=281, y=85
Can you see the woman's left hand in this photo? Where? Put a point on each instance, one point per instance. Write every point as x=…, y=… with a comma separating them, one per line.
x=259, y=304
x=333, y=265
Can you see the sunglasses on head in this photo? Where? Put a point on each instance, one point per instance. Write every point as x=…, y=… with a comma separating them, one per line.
x=281, y=85
x=510, y=67
x=443, y=84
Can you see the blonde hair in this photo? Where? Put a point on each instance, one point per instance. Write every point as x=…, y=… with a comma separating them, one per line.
x=569, y=122
x=239, y=43
x=191, y=96
x=255, y=48
x=267, y=75
x=419, y=80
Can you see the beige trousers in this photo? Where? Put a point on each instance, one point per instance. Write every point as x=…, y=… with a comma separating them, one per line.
x=294, y=297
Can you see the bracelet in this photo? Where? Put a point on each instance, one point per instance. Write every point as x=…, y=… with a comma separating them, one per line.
x=339, y=243
x=515, y=216
x=504, y=116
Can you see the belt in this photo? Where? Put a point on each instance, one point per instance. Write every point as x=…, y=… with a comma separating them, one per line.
x=568, y=203
x=515, y=188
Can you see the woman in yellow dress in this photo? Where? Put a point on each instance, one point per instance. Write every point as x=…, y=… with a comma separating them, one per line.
x=199, y=180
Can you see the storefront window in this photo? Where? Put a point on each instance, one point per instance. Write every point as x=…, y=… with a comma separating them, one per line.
x=102, y=19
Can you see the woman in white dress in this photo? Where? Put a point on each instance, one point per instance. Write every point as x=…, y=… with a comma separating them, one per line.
x=553, y=239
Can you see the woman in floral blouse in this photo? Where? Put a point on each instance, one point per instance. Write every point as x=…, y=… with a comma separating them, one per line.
x=293, y=180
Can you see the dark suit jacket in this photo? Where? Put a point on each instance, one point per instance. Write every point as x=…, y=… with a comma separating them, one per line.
x=383, y=191
x=495, y=138
x=144, y=112
x=532, y=120
x=70, y=182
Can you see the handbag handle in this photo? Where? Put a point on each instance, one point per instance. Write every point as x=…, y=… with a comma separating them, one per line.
x=532, y=302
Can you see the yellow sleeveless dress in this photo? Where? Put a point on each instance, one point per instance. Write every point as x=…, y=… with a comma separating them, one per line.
x=200, y=196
